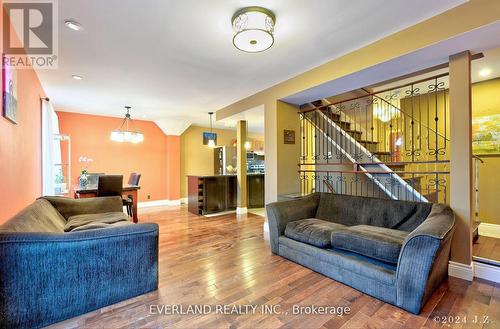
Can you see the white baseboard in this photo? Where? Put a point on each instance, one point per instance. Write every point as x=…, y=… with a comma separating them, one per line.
x=491, y=230
x=487, y=272
x=184, y=200
x=474, y=270
x=461, y=271
x=241, y=210
x=158, y=203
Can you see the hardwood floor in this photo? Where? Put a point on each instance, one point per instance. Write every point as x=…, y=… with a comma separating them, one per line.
x=225, y=260
x=487, y=247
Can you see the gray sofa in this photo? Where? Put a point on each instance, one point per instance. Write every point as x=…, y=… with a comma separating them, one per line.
x=396, y=251
x=63, y=257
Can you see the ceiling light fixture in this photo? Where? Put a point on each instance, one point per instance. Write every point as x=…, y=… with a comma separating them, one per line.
x=126, y=133
x=253, y=29
x=211, y=141
x=73, y=25
x=77, y=77
x=485, y=72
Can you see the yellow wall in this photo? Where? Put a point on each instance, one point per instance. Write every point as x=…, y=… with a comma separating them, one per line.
x=198, y=159
x=288, y=154
x=486, y=101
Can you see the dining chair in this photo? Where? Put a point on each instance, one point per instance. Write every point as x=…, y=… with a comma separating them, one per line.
x=92, y=178
x=133, y=179
x=110, y=185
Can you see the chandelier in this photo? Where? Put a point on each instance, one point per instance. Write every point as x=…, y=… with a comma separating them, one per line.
x=253, y=29
x=126, y=133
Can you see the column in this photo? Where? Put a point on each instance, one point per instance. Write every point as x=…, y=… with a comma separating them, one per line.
x=241, y=165
x=461, y=180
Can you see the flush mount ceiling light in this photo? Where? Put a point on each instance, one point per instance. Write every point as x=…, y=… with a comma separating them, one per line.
x=485, y=72
x=253, y=29
x=77, y=77
x=126, y=133
x=73, y=25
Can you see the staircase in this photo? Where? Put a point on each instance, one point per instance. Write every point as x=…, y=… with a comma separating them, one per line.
x=340, y=132
x=388, y=143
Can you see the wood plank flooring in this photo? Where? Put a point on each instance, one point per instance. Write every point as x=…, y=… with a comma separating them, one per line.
x=225, y=260
x=487, y=247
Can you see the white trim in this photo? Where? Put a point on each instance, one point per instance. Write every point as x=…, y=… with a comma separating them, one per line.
x=158, y=203
x=184, y=200
x=266, y=230
x=241, y=210
x=487, y=272
x=462, y=271
x=491, y=230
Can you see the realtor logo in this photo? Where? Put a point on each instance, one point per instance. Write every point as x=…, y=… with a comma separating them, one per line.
x=29, y=36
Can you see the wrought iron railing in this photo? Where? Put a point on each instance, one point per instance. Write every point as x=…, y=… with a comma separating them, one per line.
x=391, y=143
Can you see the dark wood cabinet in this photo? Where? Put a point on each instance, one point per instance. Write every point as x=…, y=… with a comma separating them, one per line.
x=255, y=189
x=212, y=194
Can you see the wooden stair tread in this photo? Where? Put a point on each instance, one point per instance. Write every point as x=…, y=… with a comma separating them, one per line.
x=353, y=131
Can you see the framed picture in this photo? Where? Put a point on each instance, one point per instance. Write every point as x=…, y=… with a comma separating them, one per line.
x=9, y=92
x=289, y=136
x=209, y=136
x=486, y=134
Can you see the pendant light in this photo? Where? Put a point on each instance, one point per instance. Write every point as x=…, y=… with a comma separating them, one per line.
x=211, y=141
x=126, y=133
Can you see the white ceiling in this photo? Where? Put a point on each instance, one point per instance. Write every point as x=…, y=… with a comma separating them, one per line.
x=173, y=61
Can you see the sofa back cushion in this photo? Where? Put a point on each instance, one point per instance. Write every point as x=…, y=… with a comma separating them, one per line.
x=355, y=210
x=40, y=216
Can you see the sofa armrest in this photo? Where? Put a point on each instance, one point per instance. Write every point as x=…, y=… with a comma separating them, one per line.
x=49, y=277
x=281, y=213
x=68, y=207
x=423, y=261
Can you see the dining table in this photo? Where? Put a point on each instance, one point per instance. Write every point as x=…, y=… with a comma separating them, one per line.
x=90, y=191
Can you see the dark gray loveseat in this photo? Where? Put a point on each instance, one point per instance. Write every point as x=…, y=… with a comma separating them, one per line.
x=396, y=251
x=48, y=275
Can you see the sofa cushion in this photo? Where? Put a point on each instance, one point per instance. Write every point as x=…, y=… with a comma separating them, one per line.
x=94, y=220
x=96, y=225
x=356, y=210
x=40, y=216
x=371, y=241
x=312, y=231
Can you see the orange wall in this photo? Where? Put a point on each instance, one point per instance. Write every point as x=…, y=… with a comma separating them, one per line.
x=20, y=147
x=157, y=158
